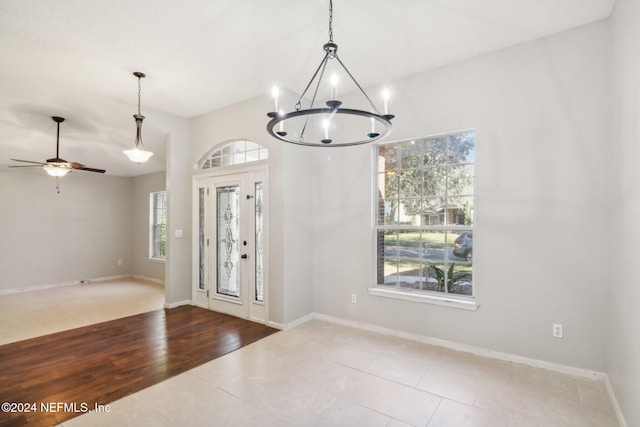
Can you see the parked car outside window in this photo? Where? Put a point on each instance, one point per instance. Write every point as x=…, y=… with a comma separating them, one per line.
x=463, y=246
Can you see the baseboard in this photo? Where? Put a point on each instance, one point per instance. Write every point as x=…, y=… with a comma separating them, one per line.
x=61, y=284
x=149, y=279
x=177, y=303
x=478, y=351
x=614, y=401
x=298, y=322
x=275, y=325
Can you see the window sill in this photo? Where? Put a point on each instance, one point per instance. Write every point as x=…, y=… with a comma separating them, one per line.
x=447, y=301
x=160, y=260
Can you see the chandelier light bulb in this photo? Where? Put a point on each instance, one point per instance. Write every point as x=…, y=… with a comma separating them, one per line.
x=385, y=97
x=334, y=87
x=275, y=92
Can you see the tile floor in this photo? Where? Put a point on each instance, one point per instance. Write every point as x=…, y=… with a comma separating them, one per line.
x=322, y=374
x=318, y=374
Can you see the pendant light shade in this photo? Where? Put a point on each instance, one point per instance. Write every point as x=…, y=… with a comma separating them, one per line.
x=138, y=154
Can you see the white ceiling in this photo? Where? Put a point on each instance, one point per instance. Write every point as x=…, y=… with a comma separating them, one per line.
x=75, y=58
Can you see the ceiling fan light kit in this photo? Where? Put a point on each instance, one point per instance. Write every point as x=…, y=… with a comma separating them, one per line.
x=56, y=169
x=56, y=166
x=138, y=154
x=332, y=125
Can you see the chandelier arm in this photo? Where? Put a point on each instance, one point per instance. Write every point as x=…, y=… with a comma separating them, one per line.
x=359, y=87
x=324, y=61
x=321, y=68
x=315, y=92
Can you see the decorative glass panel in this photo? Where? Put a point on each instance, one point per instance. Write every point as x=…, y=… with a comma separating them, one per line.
x=259, y=255
x=235, y=153
x=201, y=237
x=228, y=230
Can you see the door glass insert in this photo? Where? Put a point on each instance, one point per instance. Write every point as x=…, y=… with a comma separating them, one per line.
x=228, y=230
x=201, y=237
x=259, y=200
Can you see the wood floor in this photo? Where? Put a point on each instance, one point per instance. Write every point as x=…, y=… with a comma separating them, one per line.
x=101, y=363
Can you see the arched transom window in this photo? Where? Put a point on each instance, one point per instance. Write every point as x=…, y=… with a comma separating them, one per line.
x=235, y=153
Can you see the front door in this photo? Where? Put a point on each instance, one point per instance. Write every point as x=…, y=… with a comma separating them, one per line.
x=231, y=234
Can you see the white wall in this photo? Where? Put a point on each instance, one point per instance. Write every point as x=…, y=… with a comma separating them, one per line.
x=143, y=185
x=541, y=114
x=50, y=238
x=178, y=174
x=543, y=178
x=623, y=345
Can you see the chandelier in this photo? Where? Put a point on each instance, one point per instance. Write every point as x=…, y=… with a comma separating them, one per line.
x=138, y=153
x=331, y=124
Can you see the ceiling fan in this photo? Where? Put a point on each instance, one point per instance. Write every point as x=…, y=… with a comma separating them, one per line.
x=57, y=166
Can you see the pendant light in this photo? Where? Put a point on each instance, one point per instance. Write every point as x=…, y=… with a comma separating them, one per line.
x=138, y=153
x=332, y=125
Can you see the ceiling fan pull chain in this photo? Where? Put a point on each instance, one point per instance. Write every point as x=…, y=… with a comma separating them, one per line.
x=58, y=184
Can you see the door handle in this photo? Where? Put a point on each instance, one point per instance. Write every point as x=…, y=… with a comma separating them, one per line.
x=244, y=256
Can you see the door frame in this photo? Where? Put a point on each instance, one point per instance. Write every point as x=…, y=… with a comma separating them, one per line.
x=256, y=172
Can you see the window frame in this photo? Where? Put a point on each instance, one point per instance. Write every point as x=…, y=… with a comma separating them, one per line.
x=153, y=226
x=234, y=152
x=454, y=300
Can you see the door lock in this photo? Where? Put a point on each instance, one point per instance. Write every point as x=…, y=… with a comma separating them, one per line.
x=244, y=256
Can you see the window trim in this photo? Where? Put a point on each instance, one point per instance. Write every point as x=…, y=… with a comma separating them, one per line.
x=465, y=302
x=451, y=300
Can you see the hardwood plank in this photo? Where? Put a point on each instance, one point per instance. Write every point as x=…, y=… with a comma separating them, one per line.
x=98, y=364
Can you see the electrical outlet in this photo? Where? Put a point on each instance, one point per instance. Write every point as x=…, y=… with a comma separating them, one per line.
x=119, y=262
x=354, y=298
x=557, y=330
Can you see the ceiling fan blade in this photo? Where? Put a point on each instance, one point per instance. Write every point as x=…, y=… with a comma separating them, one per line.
x=91, y=170
x=80, y=166
x=26, y=166
x=28, y=161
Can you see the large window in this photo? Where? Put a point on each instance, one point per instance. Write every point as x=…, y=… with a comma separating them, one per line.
x=158, y=232
x=425, y=212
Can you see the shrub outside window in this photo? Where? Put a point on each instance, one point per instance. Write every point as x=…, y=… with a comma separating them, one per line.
x=425, y=210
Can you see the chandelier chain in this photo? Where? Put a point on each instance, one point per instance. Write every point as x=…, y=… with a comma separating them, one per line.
x=330, y=21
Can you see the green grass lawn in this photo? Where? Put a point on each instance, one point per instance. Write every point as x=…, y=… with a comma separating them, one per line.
x=409, y=268
x=413, y=239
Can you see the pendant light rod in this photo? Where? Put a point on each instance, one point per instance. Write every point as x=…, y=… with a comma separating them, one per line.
x=138, y=154
x=58, y=120
x=139, y=75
